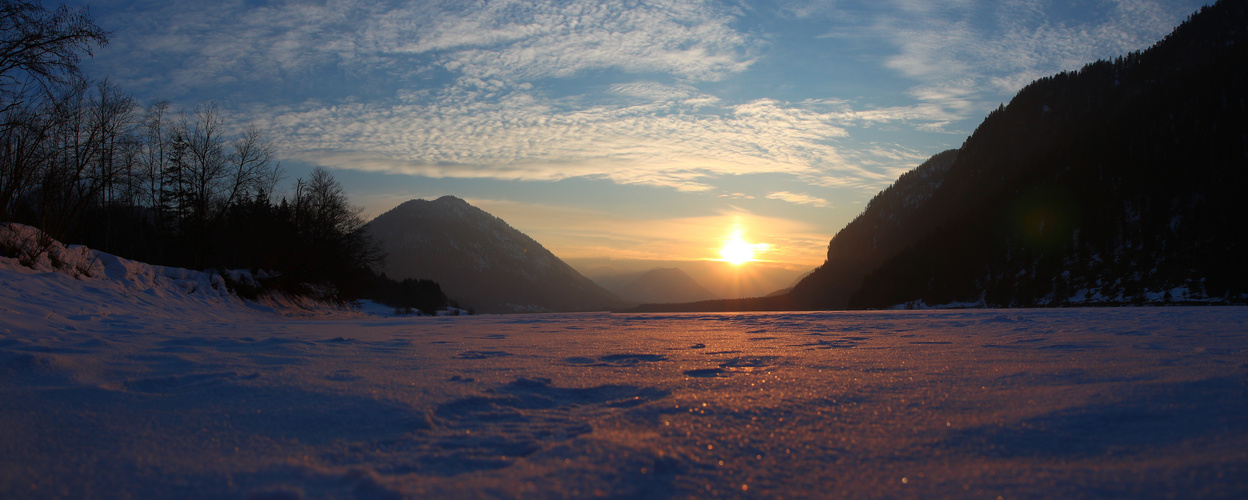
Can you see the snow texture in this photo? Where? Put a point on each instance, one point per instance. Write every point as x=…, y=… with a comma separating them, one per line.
x=128, y=382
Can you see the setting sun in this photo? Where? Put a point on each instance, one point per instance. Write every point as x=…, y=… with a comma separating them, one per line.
x=737, y=251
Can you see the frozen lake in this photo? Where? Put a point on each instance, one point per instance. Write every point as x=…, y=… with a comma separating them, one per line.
x=119, y=401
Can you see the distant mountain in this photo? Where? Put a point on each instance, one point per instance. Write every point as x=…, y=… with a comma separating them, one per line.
x=481, y=261
x=611, y=278
x=1121, y=183
x=720, y=278
x=663, y=285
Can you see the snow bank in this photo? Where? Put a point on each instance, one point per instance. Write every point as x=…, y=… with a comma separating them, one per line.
x=35, y=268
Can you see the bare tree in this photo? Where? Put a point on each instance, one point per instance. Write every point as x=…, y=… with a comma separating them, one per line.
x=25, y=148
x=39, y=77
x=40, y=50
x=153, y=157
x=328, y=220
x=205, y=156
x=250, y=168
x=65, y=184
x=112, y=117
x=201, y=156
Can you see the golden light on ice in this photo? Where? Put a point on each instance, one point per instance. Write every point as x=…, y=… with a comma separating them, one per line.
x=737, y=251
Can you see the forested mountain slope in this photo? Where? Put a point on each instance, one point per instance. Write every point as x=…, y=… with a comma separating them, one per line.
x=1122, y=182
x=891, y=222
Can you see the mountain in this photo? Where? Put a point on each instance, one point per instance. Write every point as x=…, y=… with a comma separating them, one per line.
x=611, y=278
x=892, y=221
x=1122, y=182
x=481, y=261
x=667, y=284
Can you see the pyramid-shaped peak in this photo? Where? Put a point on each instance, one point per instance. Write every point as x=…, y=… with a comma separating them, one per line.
x=450, y=200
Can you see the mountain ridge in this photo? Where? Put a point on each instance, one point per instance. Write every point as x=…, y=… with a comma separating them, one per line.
x=1121, y=183
x=480, y=260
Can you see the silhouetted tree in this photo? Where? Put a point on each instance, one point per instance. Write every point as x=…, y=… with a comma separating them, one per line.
x=40, y=50
x=87, y=164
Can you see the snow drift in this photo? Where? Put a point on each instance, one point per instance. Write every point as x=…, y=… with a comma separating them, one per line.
x=49, y=273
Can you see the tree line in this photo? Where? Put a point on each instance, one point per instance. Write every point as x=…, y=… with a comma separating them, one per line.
x=88, y=163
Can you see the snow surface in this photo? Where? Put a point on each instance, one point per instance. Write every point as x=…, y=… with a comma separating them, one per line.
x=137, y=385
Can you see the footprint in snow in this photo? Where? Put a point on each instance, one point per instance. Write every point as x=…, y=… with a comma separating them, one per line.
x=342, y=376
x=741, y=364
x=187, y=382
x=482, y=354
x=707, y=373
x=617, y=360
x=493, y=430
x=844, y=343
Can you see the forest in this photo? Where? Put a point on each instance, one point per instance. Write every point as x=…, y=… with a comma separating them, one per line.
x=89, y=164
x=1119, y=183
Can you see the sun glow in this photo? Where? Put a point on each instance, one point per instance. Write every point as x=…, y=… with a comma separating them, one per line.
x=737, y=251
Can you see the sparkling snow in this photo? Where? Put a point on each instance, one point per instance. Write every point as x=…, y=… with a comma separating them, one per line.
x=134, y=388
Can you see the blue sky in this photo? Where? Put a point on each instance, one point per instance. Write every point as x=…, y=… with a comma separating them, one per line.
x=624, y=130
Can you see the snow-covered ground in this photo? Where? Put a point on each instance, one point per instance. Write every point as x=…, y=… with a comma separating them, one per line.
x=126, y=388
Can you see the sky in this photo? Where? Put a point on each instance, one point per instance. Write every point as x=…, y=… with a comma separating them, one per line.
x=617, y=133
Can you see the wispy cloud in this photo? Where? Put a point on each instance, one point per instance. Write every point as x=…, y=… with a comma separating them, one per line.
x=522, y=40
x=798, y=198
x=202, y=44
x=554, y=89
x=967, y=54
x=473, y=86
x=657, y=135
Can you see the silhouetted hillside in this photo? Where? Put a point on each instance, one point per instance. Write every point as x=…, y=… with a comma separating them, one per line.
x=480, y=260
x=663, y=285
x=891, y=222
x=1122, y=182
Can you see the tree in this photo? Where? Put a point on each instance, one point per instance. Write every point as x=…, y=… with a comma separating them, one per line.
x=85, y=163
x=251, y=168
x=39, y=76
x=25, y=147
x=40, y=50
x=332, y=233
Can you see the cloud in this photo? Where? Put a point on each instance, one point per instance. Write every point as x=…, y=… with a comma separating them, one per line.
x=654, y=134
x=800, y=199
x=473, y=88
x=199, y=45
x=967, y=54
x=522, y=40
x=205, y=44
x=630, y=91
